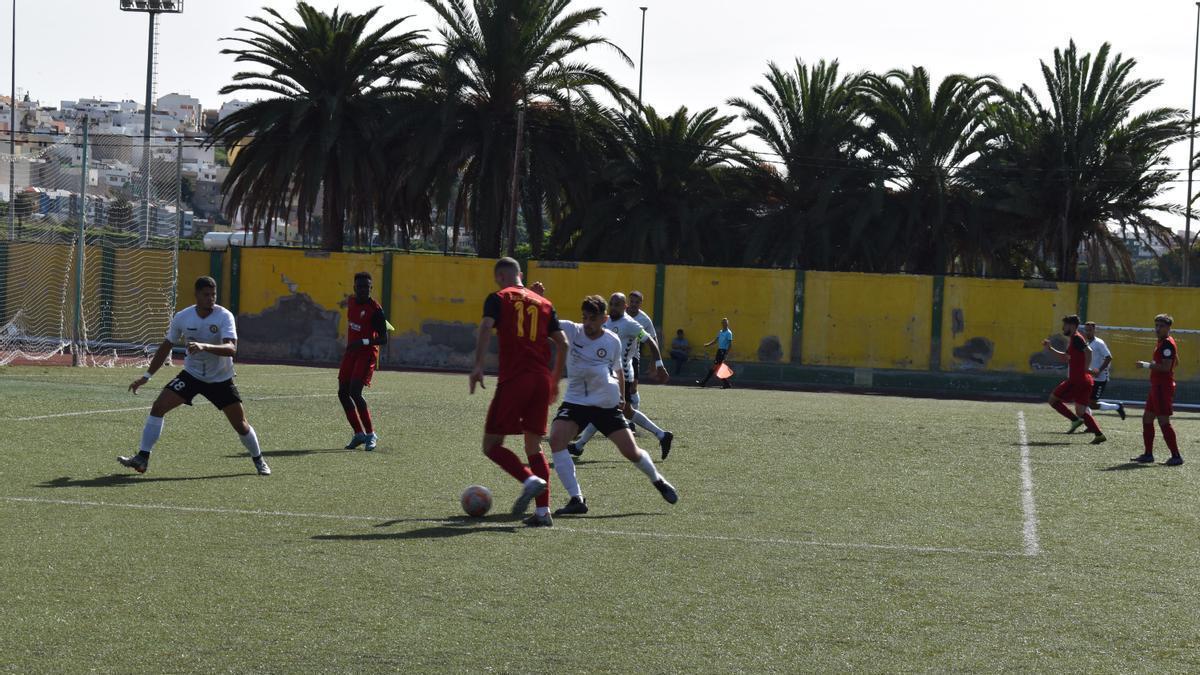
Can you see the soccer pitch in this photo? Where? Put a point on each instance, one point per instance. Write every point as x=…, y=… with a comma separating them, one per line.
x=814, y=532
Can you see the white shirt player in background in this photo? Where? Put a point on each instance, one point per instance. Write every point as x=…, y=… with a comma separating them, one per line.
x=647, y=323
x=596, y=396
x=208, y=332
x=632, y=336
x=1100, y=369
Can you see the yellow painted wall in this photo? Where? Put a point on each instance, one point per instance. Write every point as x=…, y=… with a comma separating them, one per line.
x=758, y=304
x=1014, y=317
x=1136, y=306
x=194, y=264
x=567, y=287
x=40, y=282
x=438, y=288
x=867, y=320
x=328, y=278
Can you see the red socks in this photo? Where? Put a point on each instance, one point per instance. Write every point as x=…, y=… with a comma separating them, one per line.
x=1148, y=437
x=1064, y=410
x=509, y=461
x=352, y=418
x=365, y=416
x=1090, y=423
x=1169, y=437
x=541, y=469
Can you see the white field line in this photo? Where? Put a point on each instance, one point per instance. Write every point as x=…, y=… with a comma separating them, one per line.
x=146, y=407
x=1031, y=522
x=612, y=533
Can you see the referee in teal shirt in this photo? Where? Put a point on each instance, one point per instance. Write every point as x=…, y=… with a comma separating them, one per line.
x=724, y=341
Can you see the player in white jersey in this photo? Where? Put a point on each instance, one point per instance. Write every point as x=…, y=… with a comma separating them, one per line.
x=647, y=323
x=1100, y=367
x=632, y=336
x=210, y=335
x=596, y=395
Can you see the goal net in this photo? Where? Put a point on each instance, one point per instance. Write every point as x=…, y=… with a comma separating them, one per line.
x=1130, y=344
x=88, y=251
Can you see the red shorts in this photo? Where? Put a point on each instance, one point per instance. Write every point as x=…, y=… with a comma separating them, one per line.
x=1161, y=400
x=520, y=406
x=1075, y=391
x=358, y=364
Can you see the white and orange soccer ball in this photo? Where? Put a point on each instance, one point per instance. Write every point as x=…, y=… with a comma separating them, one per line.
x=476, y=501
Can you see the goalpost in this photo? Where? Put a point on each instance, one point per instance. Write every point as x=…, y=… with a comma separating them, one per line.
x=1130, y=344
x=89, y=249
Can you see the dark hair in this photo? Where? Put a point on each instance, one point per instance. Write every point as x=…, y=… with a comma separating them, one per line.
x=1090, y=323
x=594, y=304
x=206, y=282
x=635, y=294
x=1072, y=319
x=363, y=275
x=1165, y=318
x=510, y=264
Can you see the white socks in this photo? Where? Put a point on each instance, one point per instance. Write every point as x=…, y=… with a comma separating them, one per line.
x=647, y=466
x=1105, y=405
x=635, y=401
x=586, y=436
x=564, y=466
x=250, y=441
x=640, y=419
x=151, y=432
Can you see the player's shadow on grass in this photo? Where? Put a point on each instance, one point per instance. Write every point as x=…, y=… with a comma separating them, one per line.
x=1042, y=444
x=435, y=532
x=295, y=453
x=123, y=479
x=1126, y=466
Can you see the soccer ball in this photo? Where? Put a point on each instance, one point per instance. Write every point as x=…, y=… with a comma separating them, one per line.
x=476, y=500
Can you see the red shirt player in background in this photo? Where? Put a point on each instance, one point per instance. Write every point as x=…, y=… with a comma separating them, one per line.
x=366, y=330
x=526, y=325
x=1077, y=388
x=1161, y=401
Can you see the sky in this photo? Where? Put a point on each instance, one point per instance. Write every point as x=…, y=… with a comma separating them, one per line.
x=699, y=53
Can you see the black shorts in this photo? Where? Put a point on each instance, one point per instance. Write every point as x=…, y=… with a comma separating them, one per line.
x=1098, y=390
x=220, y=394
x=637, y=369
x=606, y=420
x=720, y=357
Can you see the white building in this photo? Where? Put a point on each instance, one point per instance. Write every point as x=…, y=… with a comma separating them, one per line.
x=183, y=108
x=230, y=107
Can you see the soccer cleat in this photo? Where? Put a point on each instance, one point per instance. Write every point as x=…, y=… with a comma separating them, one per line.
x=665, y=444
x=576, y=507
x=666, y=490
x=539, y=521
x=260, y=465
x=1144, y=458
x=1121, y=410
x=372, y=441
x=575, y=450
x=1075, y=426
x=1100, y=438
x=136, y=462
x=358, y=440
x=1174, y=460
x=532, y=488
x=725, y=384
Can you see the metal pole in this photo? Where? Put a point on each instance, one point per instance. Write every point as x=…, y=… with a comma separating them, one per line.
x=12, y=135
x=642, y=55
x=80, y=244
x=148, y=117
x=512, y=195
x=1187, y=223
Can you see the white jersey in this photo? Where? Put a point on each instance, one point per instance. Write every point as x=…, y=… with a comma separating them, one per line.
x=647, y=323
x=592, y=367
x=188, y=326
x=1099, y=353
x=632, y=335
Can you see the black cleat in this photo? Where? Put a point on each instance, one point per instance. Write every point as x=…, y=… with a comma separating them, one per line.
x=532, y=488
x=1175, y=460
x=665, y=444
x=666, y=490
x=1121, y=410
x=1099, y=438
x=260, y=465
x=138, y=462
x=576, y=507
x=575, y=450
x=539, y=521
x=1144, y=458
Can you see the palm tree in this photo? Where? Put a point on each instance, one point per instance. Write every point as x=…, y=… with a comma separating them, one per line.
x=330, y=79
x=496, y=59
x=817, y=202
x=672, y=190
x=1083, y=171
x=924, y=139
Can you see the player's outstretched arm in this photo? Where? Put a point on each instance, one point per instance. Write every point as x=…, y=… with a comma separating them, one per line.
x=481, y=345
x=227, y=348
x=160, y=357
x=560, y=362
x=660, y=369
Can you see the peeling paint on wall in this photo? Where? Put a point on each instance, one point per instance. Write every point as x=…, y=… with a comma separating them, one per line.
x=1044, y=360
x=770, y=349
x=974, y=354
x=295, y=328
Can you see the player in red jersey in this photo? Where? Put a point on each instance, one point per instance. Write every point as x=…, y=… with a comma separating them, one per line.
x=526, y=325
x=366, y=331
x=1077, y=388
x=1161, y=401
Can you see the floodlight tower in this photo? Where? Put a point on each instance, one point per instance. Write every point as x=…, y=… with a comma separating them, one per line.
x=153, y=8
